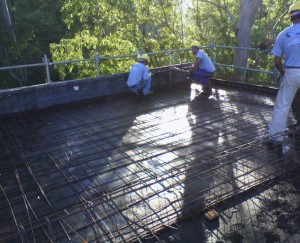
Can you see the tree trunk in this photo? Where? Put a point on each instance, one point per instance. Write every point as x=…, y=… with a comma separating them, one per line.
x=248, y=11
x=7, y=20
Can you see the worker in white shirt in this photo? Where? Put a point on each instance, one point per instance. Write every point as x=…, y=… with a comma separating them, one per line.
x=139, y=79
x=287, y=60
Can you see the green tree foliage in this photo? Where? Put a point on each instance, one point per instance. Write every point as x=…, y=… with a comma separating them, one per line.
x=213, y=20
x=36, y=23
x=219, y=20
x=271, y=19
x=79, y=29
x=113, y=28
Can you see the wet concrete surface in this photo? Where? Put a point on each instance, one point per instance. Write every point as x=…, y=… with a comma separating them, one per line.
x=124, y=168
x=269, y=213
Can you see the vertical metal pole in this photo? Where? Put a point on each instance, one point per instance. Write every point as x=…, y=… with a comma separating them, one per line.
x=47, y=64
x=140, y=52
x=212, y=47
x=97, y=59
x=170, y=61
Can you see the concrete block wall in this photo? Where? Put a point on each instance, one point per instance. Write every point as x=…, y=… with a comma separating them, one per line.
x=46, y=95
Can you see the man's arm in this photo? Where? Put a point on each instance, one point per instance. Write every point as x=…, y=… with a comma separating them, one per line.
x=278, y=64
x=146, y=73
x=265, y=44
x=196, y=64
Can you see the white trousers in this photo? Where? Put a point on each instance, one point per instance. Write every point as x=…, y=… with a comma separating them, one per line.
x=285, y=96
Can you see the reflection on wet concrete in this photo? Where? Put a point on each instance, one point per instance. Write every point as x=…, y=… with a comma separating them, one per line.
x=270, y=213
x=123, y=168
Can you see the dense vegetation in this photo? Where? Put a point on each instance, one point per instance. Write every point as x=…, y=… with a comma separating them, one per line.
x=78, y=29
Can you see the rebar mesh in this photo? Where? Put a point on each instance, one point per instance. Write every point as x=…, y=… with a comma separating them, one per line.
x=122, y=168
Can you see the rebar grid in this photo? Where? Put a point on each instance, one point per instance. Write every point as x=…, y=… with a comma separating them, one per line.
x=124, y=168
x=267, y=213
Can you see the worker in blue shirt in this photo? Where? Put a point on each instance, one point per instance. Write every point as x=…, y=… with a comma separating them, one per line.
x=139, y=79
x=287, y=46
x=203, y=68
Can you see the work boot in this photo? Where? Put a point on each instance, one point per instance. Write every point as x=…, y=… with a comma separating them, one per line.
x=136, y=92
x=206, y=90
x=272, y=144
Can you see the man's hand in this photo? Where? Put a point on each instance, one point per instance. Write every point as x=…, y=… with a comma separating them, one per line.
x=265, y=44
x=192, y=68
x=279, y=65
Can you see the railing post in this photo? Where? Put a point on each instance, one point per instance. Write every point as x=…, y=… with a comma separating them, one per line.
x=97, y=59
x=47, y=64
x=170, y=63
x=212, y=47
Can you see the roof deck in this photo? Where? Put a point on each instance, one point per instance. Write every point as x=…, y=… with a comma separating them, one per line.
x=124, y=168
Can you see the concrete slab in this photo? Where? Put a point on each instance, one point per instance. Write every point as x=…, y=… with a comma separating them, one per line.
x=123, y=168
x=269, y=213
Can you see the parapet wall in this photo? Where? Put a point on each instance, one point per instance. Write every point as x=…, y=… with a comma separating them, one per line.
x=65, y=92
x=56, y=93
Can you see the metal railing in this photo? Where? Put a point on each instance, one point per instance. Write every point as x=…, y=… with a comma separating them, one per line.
x=97, y=59
x=242, y=68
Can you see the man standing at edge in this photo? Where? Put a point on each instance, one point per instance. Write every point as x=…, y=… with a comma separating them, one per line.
x=140, y=77
x=203, y=68
x=287, y=45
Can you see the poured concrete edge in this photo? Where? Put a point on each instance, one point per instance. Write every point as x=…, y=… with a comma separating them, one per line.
x=64, y=92
x=56, y=93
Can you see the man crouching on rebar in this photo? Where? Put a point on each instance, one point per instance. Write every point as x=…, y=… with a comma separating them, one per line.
x=203, y=68
x=139, y=79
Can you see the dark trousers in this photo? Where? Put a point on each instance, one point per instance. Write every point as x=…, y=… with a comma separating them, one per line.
x=202, y=76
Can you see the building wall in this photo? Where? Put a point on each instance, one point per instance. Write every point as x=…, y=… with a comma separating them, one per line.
x=46, y=95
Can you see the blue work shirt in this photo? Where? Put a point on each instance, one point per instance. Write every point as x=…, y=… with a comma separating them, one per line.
x=206, y=62
x=287, y=45
x=138, y=72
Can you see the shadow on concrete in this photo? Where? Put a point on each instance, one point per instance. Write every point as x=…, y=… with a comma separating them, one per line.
x=122, y=168
x=61, y=163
